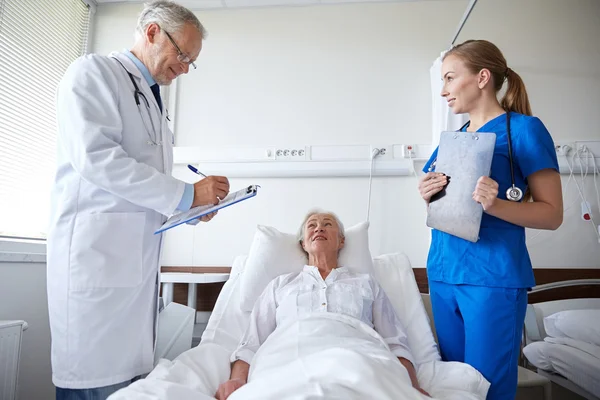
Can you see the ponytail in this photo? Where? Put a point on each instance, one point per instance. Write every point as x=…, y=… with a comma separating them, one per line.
x=516, y=98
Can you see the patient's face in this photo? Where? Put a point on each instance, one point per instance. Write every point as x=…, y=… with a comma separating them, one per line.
x=322, y=234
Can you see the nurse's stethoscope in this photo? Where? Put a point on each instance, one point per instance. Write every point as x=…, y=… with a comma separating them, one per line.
x=513, y=193
x=137, y=94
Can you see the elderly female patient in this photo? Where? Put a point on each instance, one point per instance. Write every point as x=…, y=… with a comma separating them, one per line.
x=288, y=297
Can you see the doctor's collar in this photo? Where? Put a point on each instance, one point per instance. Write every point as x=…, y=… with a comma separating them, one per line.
x=140, y=65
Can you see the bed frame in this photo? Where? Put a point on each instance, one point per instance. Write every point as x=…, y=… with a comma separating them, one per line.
x=534, y=324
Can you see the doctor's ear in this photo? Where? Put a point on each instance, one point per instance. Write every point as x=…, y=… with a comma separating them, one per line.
x=152, y=30
x=483, y=78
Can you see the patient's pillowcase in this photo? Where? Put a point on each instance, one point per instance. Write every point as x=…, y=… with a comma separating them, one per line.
x=580, y=325
x=275, y=253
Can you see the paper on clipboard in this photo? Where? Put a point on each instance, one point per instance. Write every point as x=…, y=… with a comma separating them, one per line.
x=200, y=211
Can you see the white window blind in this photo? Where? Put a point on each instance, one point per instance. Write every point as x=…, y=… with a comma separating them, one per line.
x=38, y=41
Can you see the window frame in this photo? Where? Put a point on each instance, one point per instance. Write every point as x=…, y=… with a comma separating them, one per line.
x=14, y=249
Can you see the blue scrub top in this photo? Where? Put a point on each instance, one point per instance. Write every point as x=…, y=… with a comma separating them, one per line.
x=500, y=257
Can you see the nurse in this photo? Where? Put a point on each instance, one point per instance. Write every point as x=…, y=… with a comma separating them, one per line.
x=479, y=290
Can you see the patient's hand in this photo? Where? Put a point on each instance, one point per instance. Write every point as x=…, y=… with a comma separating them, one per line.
x=226, y=388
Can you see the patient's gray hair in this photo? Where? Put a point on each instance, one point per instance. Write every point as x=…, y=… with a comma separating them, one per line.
x=169, y=16
x=314, y=211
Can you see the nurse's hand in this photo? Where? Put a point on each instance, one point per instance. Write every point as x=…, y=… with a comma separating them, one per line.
x=210, y=190
x=431, y=183
x=486, y=192
x=226, y=388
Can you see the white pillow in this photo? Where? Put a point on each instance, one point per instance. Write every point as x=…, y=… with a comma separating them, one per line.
x=275, y=253
x=583, y=325
x=227, y=321
x=536, y=354
x=395, y=275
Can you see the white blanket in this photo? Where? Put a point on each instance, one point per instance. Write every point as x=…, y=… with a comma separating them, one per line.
x=324, y=356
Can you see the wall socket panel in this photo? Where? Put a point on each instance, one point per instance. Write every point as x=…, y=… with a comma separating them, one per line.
x=568, y=148
x=297, y=153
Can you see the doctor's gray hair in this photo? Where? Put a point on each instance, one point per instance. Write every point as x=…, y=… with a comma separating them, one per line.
x=300, y=235
x=169, y=16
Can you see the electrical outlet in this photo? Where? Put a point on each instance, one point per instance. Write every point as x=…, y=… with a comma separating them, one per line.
x=563, y=149
x=408, y=150
x=385, y=152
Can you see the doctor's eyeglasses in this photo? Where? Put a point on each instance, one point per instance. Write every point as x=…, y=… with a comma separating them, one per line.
x=182, y=57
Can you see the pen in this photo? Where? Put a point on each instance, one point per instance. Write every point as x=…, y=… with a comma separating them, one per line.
x=195, y=170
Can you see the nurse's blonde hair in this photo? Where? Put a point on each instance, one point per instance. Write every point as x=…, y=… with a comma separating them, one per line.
x=481, y=54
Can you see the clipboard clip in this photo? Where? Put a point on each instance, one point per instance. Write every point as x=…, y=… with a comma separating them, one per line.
x=252, y=188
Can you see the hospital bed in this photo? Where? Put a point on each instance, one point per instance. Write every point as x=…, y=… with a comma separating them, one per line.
x=197, y=373
x=557, y=339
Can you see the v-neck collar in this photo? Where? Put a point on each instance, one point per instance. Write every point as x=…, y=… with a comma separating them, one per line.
x=491, y=124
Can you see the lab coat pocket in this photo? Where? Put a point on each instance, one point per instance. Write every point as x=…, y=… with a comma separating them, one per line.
x=106, y=251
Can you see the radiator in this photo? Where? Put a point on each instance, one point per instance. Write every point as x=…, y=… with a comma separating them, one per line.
x=10, y=353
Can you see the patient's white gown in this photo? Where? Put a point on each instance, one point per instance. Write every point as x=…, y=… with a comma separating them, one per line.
x=292, y=296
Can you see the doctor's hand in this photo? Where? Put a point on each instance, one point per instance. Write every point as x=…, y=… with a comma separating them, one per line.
x=486, y=192
x=210, y=190
x=208, y=217
x=431, y=183
x=226, y=388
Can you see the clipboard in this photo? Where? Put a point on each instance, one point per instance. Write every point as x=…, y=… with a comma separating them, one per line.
x=464, y=157
x=200, y=211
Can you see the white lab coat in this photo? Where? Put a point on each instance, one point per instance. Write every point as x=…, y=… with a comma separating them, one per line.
x=111, y=192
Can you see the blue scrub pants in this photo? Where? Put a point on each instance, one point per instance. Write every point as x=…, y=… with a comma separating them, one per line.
x=481, y=326
x=100, y=393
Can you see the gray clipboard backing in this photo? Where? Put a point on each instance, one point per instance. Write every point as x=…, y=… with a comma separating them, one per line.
x=464, y=157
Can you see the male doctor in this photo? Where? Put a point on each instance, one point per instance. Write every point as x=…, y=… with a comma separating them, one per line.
x=113, y=189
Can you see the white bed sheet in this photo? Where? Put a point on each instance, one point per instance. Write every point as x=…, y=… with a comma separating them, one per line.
x=578, y=366
x=197, y=373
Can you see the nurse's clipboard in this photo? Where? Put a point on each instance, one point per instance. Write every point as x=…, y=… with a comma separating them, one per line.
x=200, y=211
x=464, y=157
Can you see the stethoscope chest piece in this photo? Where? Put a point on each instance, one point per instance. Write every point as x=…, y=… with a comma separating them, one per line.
x=514, y=193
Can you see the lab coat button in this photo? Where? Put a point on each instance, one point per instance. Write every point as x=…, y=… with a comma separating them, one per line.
x=324, y=304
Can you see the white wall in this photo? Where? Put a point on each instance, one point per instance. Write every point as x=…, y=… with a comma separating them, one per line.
x=359, y=74
x=23, y=289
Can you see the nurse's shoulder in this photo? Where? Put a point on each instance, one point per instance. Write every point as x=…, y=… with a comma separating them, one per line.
x=527, y=127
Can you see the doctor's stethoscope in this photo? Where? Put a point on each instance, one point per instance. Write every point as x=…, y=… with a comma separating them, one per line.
x=513, y=193
x=137, y=94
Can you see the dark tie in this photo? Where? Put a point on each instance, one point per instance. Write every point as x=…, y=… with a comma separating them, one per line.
x=156, y=91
